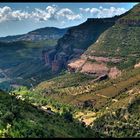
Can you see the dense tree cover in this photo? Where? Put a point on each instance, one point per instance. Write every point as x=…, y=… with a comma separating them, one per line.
x=19, y=119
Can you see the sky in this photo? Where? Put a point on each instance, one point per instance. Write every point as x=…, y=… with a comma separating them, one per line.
x=20, y=18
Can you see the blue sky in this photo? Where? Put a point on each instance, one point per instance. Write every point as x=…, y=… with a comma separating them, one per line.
x=19, y=18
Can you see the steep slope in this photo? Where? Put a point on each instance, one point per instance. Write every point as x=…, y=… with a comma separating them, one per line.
x=120, y=118
x=75, y=89
x=37, y=35
x=76, y=40
x=116, y=48
x=21, y=57
x=21, y=61
x=122, y=39
x=19, y=119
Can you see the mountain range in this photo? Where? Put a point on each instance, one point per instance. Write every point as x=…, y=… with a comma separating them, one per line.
x=36, y=35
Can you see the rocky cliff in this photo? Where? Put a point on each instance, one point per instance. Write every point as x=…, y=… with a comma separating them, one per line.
x=75, y=41
x=117, y=48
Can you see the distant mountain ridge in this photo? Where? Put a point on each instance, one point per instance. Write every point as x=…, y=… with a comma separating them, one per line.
x=37, y=35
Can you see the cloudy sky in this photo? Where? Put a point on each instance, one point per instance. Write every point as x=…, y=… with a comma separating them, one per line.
x=19, y=18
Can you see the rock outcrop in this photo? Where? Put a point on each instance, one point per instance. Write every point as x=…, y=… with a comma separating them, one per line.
x=103, y=59
x=94, y=68
x=87, y=67
x=137, y=65
x=114, y=72
x=76, y=65
x=56, y=61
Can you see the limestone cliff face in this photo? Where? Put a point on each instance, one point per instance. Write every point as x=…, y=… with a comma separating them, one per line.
x=75, y=41
x=55, y=60
x=97, y=68
x=87, y=67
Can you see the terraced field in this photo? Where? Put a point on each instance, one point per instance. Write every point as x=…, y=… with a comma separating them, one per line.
x=79, y=94
x=121, y=113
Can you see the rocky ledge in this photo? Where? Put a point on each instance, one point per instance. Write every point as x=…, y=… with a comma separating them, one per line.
x=96, y=68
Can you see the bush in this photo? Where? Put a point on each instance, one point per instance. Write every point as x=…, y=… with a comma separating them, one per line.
x=87, y=103
x=68, y=116
x=8, y=117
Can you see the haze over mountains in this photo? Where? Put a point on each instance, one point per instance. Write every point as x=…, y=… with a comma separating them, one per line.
x=82, y=80
x=36, y=35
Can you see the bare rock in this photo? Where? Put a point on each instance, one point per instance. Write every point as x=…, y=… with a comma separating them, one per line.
x=76, y=65
x=137, y=65
x=94, y=68
x=114, y=72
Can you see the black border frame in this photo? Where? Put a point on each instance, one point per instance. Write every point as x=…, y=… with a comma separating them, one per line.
x=69, y=1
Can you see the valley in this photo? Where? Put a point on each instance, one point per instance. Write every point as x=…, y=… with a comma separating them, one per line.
x=76, y=82
x=21, y=59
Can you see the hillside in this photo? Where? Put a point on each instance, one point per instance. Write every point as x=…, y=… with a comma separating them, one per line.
x=19, y=119
x=116, y=48
x=42, y=55
x=107, y=104
x=20, y=61
x=122, y=38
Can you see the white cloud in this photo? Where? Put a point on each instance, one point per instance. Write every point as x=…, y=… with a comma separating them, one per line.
x=5, y=10
x=68, y=14
x=6, y=13
x=50, y=13
x=41, y=15
x=19, y=15
x=44, y=15
x=53, y=12
x=85, y=10
x=103, y=12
